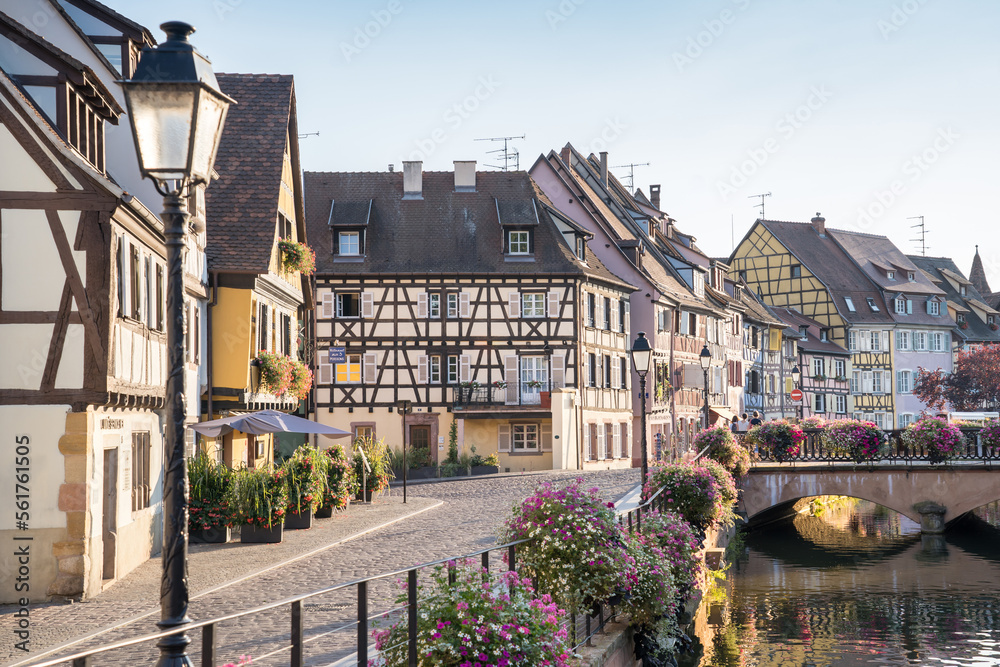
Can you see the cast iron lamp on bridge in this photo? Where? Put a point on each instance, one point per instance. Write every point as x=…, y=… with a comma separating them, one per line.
x=706, y=361
x=176, y=111
x=642, y=353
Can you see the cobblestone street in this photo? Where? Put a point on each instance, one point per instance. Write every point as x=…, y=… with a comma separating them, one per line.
x=465, y=520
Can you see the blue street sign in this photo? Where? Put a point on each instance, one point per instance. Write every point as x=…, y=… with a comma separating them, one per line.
x=338, y=355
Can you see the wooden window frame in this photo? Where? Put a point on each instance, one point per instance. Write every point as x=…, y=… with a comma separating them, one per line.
x=525, y=427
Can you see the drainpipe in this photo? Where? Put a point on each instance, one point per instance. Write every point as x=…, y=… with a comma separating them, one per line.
x=781, y=376
x=673, y=390
x=311, y=333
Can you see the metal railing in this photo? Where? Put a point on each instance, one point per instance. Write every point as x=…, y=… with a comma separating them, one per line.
x=813, y=450
x=490, y=395
x=581, y=628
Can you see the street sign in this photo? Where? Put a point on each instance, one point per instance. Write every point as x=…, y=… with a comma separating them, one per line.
x=338, y=355
x=796, y=394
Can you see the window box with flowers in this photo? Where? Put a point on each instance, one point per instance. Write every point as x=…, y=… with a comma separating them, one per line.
x=994, y=326
x=937, y=438
x=297, y=257
x=534, y=384
x=281, y=375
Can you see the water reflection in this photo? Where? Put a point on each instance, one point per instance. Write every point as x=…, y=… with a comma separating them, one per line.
x=858, y=585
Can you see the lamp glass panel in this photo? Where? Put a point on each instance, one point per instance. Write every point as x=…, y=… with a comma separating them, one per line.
x=162, y=118
x=641, y=359
x=211, y=112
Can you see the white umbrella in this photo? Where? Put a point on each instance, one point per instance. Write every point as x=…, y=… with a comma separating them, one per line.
x=265, y=421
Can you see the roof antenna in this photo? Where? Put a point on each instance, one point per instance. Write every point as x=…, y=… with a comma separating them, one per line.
x=923, y=234
x=631, y=174
x=308, y=134
x=509, y=154
x=761, y=204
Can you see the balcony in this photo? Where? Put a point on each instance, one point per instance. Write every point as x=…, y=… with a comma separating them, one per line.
x=490, y=397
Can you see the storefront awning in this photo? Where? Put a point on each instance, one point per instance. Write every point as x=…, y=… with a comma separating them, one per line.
x=722, y=413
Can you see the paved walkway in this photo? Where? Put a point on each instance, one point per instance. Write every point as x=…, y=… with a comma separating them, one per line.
x=458, y=517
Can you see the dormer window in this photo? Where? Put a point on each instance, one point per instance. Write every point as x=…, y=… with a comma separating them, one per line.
x=581, y=249
x=804, y=332
x=850, y=304
x=518, y=242
x=349, y=243
x=961, y=290
x=891, y=275
x=960, y=318
x=349, y=222
x=824, y=335
x=933, y=308
x=902, y=305
x=872, y=305
x=911, y=276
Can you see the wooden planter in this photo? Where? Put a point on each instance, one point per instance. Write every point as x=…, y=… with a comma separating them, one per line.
x=299, y=520
x=219, y=535
x=254, y=534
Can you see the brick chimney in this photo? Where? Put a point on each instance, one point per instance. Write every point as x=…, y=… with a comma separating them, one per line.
x=465, y=175
x=819, y=224
x=654, y=196
x=565, y=153
x=604, y=168
x=413, y=180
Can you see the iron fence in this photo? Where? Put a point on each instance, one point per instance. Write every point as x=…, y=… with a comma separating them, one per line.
x=814, y=450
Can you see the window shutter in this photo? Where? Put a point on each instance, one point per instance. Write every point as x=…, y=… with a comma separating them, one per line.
x=886, y=382
x=885, y=341
x=326, y=310
x=553, y=303
x=602, y=446
x=422, y=305
x=866, y=382
x=546, y=436
x=422, y=369
x=927, y=305
x=370, y=367
x=558, y=371
x=510, y=377
x=616, y=436
x=325, y=375
x=615, y=373
x=465, y=368
x=614, y=315
x=588, y=434
x=599, y=313
x=599, y=374
x=367, y=305
x=463, y=304
x=627, y=439
x=909, y=307
x=586, y=371
x=514, y=305
x=504, y=441
x=626, y=324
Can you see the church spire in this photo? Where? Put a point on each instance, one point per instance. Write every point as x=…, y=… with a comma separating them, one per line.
x=977, y=276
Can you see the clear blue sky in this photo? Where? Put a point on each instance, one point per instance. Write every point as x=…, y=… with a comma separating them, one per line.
x=870, y=111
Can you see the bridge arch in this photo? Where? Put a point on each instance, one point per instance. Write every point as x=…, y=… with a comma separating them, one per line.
x=958, y=489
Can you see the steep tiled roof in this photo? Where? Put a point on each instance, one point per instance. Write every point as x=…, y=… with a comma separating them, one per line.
x=813, y=342
x=242, y=205
x=978, y=330
x=827, y=261
x=978, y=275
x=445, y=232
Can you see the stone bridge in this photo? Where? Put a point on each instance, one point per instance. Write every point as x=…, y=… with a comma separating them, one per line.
x=930, y=495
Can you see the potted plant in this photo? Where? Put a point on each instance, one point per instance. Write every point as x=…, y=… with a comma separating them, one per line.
x=374, y=476
x=990, y=437
x=942, y=441
x=210, y=510
x=723, y=448
x=489, y=465
x=305, y=474
x=778, y=439
x=261, y=498
x=297, y=257
x=341, y=483
x=420, y=463
x=860, y=441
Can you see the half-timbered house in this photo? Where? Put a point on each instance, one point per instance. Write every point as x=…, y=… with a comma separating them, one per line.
x=82, y=301
x=976, y=322
x=766, y=387
x=468, y=295
x=258, y=304
x=824, y=366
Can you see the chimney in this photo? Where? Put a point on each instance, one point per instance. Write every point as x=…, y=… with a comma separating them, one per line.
x=604, y=167
x=819, y=224
x=465, y=175
x=654, y=196
x=413, y=177
x=565, y=154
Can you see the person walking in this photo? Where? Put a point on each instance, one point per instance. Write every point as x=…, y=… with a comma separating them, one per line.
x=756, y=420
x=735, y=425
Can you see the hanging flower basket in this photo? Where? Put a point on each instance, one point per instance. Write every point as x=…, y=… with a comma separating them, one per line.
x=942, y=441
x=281, y=375
x=297, y=257
x=861, y=441
x=780, y=439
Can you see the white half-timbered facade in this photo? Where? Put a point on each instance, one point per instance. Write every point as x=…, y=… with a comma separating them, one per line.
x=461, y=293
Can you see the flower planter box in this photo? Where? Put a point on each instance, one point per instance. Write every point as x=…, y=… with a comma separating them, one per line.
x=323, y=513
x=299, y=520
x=219, y=535
x=485, y=470
x=426, y=472
x=254, y=534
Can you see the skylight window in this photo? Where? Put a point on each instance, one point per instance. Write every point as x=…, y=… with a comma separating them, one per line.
x=850, y=304
x=871, y=304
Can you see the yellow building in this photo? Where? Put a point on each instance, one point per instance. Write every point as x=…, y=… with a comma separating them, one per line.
x=257, y=300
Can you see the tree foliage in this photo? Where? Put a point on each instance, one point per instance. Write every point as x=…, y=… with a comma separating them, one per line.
x=973, y=385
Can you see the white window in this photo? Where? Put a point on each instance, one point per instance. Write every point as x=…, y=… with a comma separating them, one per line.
x=903, y=381
x=856, y=382
x=877, y=382
x=962, y=290
x=349, y=372
x=434, y=370
x=850, y=304
x=533, y=304
x=903, y=340
x=852, y=340
x=348, y=304
x=905, y=419
x=872, y=305
x=876, y=341
x=452, y=369
x=891, y=275
x=434, y=305
x=581, y=246
x=534, y=379
x=900, y=306
x=517, y=243
x=349, y=243
x=919, y=341
x=933, y=308
x=879, y=419
x=452, y=304
x=841, y=405
x=525, y=437
x=840, y=368
x=817, y=367
x=910, y=276
x=819, y=403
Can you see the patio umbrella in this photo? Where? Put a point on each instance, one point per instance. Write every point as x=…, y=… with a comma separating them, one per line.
x=265, y=421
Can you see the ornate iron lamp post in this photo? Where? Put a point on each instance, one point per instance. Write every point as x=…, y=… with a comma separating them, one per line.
x=642, y=353
x=706, y=361
x=176, y=111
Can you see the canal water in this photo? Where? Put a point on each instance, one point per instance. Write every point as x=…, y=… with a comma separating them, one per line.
x=852, y=583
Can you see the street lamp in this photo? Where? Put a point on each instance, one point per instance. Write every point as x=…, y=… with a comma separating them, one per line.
x=642, y=353
x=796, y=378
x=176, y=111
x=706, y=360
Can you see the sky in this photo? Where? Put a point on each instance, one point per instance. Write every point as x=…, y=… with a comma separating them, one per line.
x=871, y=112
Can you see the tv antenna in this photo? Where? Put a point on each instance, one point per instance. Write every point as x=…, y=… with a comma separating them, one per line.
x=510, y=153
x=308, y=134
x=631, y=173
x=922, y=233
x=761, y=204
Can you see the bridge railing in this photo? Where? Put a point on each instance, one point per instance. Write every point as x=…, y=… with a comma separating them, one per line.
x=813, y=449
